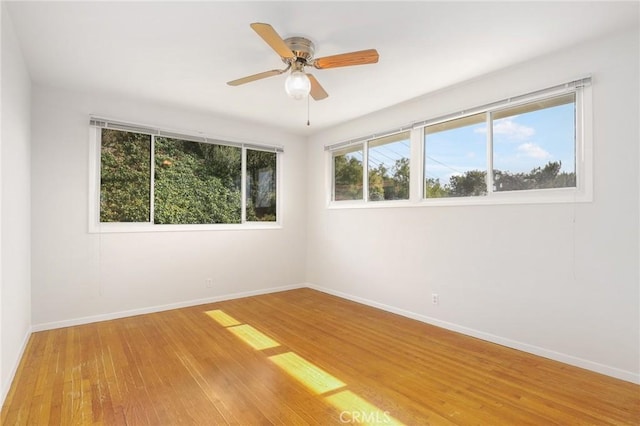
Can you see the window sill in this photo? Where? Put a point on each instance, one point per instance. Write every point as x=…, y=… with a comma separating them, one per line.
x=108, y=228
x=547, y=196
x=358, y=204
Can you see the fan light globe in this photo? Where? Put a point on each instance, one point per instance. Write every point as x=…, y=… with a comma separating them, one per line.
x=297, y=85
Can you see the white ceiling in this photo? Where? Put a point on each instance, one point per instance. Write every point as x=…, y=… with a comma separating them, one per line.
x=183, y=53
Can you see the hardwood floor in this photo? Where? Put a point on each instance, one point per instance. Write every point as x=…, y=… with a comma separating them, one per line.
x=297, y=357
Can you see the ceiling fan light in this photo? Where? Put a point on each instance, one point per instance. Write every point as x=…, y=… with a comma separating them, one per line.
x=297, y=85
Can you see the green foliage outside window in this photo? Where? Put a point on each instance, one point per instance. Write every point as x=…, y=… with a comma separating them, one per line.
x=386, y=185
x=193, y=182
x=473, y=182
x=196, y=183
x=125, y=177
x=549, y=176
x=347, y=177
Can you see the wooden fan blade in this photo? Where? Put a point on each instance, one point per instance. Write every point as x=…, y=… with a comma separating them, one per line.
x=272, y=38
x=360, y=57
x=255, y=77
x=317, y=91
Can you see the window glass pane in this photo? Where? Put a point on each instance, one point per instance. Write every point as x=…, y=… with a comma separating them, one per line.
x=534, y=145
x=261, y=186
x=196, y=183
x=125, y=176
x=388, y=169
x=347, y=174
x=455, y=158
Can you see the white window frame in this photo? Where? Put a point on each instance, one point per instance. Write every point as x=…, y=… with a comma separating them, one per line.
x=95, y=226
x=582, y=192
x=365, y=202
x=365, y=188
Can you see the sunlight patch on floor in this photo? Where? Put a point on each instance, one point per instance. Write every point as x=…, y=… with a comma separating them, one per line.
x=253, y=337
x=315, y=378
x=222, y=318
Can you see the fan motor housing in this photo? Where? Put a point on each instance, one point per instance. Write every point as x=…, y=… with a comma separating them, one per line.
x=302, y=47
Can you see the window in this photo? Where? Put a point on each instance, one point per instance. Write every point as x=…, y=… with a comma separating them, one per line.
x=388, y=167
x=125, y=177
x=147, y=177
x=455, y=158
x=531, y=146
x=261, y=186
x=347, y=173
x=196, y=182
x=534, y=145
x=386, y=174
x=526, y=149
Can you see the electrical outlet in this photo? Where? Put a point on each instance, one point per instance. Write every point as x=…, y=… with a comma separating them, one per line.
x=208, y=283
x=435, y=299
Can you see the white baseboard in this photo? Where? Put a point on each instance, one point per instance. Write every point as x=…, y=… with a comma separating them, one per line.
x=159, y=308
x=14, y=368
x=525, y=347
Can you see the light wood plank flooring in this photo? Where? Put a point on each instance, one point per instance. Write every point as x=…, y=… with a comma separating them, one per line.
x=294, y=358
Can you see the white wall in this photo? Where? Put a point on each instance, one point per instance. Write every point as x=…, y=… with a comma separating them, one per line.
x=78, y=275
x=15, y=303
x=560, y=280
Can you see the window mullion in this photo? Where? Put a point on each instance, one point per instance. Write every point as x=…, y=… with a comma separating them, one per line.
x=489, y=178
x=416, y=165
x=243, y=187
x=333, y=177
x=152, y=180
x=365, y=171
x=279, y=192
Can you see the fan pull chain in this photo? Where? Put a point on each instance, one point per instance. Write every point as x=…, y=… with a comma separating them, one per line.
x=308, y=123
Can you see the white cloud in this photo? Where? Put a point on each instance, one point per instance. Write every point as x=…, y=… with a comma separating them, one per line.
x=509, y=128
x=532, y=150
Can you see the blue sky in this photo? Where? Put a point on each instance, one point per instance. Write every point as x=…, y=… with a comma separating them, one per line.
x=520, y=143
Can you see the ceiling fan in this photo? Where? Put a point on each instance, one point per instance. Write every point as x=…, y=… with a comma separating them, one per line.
x=297, y=53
